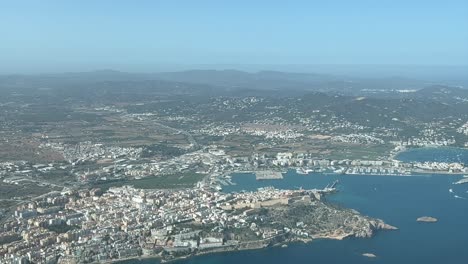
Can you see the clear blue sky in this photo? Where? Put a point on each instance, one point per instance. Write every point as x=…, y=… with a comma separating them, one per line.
x=62, y=35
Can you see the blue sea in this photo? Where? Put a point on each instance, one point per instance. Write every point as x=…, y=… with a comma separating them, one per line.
x=442, y=154
x=398, y=200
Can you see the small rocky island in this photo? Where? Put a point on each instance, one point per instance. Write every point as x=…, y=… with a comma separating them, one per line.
x=427, y=219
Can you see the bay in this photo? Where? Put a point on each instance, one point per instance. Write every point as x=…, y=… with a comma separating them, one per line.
x=438, y=154
x=398, y=200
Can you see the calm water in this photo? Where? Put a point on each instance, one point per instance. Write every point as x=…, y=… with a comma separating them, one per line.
x=445, y=154
x=397, y=200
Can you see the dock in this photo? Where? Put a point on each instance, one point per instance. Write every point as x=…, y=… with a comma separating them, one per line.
x=268, y=175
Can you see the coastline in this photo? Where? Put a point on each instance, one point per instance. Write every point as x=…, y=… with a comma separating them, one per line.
x=413, y=172
x=423, y=173
x=130, y=258
x=260, y=244
x=286, y=242
x=417, y=173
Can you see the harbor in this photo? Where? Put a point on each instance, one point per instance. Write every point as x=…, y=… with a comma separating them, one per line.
x=268, y=175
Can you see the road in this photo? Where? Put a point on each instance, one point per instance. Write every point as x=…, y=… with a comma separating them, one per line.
x=190, y=138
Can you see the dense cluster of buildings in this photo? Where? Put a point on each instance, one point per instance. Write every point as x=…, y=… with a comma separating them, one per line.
x=88, y=225
x=427, y=142
x=121, y=163
x=306, y=162
x=463, y=129
x=358, y=139
x=284, y=135
x=89, y=151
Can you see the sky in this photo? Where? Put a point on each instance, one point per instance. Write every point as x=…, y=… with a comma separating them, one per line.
x=65, y=35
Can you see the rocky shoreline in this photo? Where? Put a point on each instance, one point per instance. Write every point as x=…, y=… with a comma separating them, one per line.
x=217, y=223
x=347, y=223
x=260, y=245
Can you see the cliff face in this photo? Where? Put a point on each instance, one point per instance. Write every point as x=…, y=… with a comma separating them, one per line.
x=373, y=225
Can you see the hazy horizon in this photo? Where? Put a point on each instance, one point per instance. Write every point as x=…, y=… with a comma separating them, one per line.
x=422, y=72
x=151, y=36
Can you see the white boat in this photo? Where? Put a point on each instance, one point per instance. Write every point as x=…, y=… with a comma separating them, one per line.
x=303, y=171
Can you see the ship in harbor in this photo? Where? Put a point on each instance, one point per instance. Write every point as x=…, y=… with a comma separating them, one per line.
x=330, y=188
x=303, y=171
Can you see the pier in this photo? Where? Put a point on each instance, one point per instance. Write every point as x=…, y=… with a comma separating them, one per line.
x=268, y=175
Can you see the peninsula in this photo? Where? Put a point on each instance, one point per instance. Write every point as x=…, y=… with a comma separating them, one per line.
x=124, y=222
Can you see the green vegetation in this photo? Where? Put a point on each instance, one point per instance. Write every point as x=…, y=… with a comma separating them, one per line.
x=369, y=152
x=56, y=115
x=12, y=191
x=178, y=180
x=9, y=239
x=161, y=150
x=62, y=228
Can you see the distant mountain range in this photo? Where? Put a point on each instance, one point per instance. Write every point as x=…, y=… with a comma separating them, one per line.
x=377, y=102
x=233, y=81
